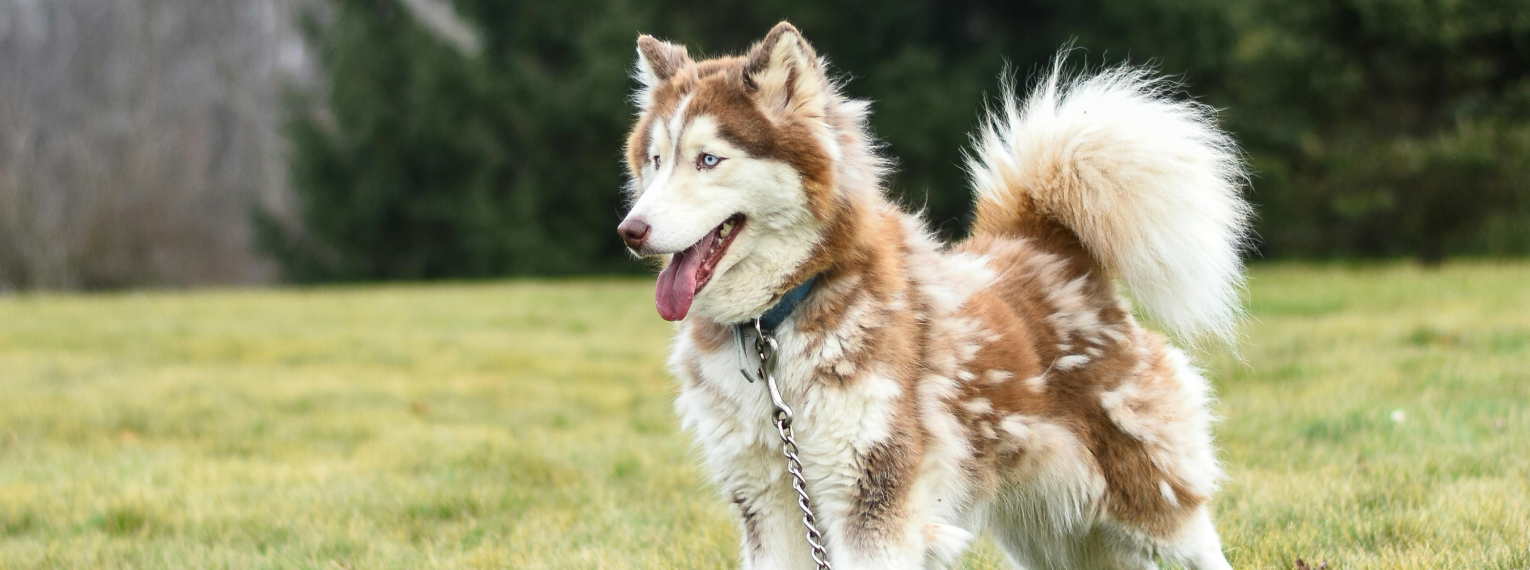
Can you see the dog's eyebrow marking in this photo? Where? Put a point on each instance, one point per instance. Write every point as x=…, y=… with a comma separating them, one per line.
x=677, y=123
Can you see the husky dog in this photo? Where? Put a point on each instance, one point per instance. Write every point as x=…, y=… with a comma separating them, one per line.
x=996, y=385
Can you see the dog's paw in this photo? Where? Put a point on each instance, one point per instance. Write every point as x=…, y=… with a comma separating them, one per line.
x=945, y=542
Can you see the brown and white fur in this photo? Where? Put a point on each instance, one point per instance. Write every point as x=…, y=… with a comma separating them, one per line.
x=997, y=385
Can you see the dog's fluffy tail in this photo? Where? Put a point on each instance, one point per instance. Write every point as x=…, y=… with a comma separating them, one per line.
x=1149, y=185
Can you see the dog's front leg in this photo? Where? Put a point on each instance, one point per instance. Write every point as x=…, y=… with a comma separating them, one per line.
x=774, y=538
x=877, y=514
x=894, y=541
x=771, y=526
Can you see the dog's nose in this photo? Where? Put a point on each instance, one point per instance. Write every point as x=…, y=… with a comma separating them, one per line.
x=634, y=231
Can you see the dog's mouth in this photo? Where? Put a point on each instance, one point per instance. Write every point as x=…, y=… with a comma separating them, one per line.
x=692, y=268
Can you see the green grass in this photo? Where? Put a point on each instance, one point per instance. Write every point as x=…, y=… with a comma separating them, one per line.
x=529, y=425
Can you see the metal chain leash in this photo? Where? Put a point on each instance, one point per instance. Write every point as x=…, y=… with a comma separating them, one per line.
x=765, y=345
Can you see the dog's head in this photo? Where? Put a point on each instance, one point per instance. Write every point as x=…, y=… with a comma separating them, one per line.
x=734, y=165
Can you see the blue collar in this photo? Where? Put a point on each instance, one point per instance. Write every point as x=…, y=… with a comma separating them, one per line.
x=788, y=303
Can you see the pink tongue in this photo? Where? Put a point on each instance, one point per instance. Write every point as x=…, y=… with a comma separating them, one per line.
x=677, y=283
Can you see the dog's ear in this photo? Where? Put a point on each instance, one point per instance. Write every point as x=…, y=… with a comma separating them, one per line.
x=657, y=61
x=784, y=74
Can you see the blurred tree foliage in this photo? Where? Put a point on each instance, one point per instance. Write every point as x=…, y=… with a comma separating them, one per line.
x=1375, y=127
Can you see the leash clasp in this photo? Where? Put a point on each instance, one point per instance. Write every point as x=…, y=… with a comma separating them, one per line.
x=765, y=344
x=765, y=351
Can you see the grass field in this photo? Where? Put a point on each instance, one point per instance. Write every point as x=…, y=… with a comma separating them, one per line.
x=1379, y=418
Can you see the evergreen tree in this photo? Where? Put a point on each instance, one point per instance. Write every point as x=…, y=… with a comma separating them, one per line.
x=1376, y=128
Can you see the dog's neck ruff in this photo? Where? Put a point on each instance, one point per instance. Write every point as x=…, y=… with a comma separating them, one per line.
x=774, y=316
x=763, y=329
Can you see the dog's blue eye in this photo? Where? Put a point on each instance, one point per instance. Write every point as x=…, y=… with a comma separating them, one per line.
x=708, y=160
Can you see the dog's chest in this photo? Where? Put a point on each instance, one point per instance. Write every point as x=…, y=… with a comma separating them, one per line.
x=731, y=416
x=715, y=391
